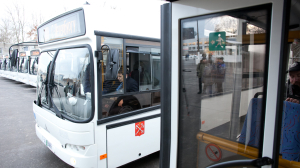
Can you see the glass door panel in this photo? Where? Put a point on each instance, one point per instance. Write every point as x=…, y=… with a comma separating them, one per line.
x=222, y=86
x=289, y=146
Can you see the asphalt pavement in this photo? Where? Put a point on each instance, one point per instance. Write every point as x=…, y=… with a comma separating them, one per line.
x=19, y=145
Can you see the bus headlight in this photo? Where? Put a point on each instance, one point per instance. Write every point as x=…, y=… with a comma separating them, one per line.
x=73, y=161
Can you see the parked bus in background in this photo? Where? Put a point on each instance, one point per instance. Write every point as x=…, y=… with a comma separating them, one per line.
x=16, y=65
x=33, y=61
x=98, y=89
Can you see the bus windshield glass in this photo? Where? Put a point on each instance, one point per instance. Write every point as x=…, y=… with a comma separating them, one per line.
x=44, y=62
x=23, y=68
x=33, y=65
x=71, y=91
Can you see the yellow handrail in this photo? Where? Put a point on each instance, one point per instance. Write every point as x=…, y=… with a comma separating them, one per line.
x=241, y=149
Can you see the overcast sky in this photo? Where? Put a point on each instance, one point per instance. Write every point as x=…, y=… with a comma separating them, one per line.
x=51, y=8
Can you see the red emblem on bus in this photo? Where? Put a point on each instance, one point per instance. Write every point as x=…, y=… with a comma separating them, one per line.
x=139, y=128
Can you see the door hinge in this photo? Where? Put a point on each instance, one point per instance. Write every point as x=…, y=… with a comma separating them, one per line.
x=99, y=56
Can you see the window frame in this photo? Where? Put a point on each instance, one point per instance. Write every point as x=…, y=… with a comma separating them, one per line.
x=101, y=96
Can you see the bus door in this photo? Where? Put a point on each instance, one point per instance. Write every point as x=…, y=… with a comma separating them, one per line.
x=129, y=91
x=224, y=98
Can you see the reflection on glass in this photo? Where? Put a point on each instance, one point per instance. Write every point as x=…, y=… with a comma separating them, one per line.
x=112, y=86
x=222, y=69
x=71, y=92
x=156, y=72
x=33, y=65
x=144, y=67
x=42, y=94
x=4, y=64
x=15, y=68
x=8, y=65
x=23, y=68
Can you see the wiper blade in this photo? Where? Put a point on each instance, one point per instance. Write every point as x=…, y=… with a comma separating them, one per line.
x=50, y=53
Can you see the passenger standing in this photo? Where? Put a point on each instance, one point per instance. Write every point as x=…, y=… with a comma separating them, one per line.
x=200, y=68
x=207, y=75
x=220, y=70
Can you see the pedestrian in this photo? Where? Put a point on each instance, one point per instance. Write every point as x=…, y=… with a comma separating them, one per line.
x=200, y=68
x=220, y=70
x=208, y=78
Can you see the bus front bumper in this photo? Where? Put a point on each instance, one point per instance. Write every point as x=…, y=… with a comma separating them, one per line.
x=88, y=159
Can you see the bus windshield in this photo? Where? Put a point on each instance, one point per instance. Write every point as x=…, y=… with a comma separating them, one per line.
x=71, y=91
x=33, y=65
x=23, y=65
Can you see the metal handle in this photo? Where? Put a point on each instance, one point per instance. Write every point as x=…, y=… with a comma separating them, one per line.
x=186, y=70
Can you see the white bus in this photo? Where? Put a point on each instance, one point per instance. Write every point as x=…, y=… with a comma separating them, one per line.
x=33, y=61
x=98, y=89
x=16, y=66
x=234, y=114
x=5, y=66
x=23, y=67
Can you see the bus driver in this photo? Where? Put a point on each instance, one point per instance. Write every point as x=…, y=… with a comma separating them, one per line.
x=293, y=84
x=131, y=84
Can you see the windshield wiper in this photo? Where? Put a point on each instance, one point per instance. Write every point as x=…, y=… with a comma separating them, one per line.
x=52, y=85
x=50, y=54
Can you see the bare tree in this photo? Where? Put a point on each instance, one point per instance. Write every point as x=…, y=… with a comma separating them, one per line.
x=36, y=21
x=5, y=33
x=17, y=17
x=226, y=23
x=252, y=29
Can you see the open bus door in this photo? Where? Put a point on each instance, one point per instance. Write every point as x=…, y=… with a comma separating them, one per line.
x=225, y=109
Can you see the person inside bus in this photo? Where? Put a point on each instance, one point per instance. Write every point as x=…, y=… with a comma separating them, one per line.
x=293, y=84
x=207, y=76
x=131, y=84
x=125, y=103
x=220, y=69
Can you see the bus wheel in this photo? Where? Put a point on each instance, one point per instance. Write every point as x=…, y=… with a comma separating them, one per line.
x=125, y=109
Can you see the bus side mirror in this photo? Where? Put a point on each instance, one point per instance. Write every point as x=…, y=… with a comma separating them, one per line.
x=112, y=64
x=14, y=56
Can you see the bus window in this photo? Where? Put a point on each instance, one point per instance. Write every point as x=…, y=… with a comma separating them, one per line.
x=156, y=68
x=143, y=65
x=23, y=65
x=15, y=68
x=112, y=86
x=218, y=95
x=3, y=65
x=137, y=87
x=289, y=141
x=71, y=90
x=289, y=146
x=42, y=94
x=33, y=65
